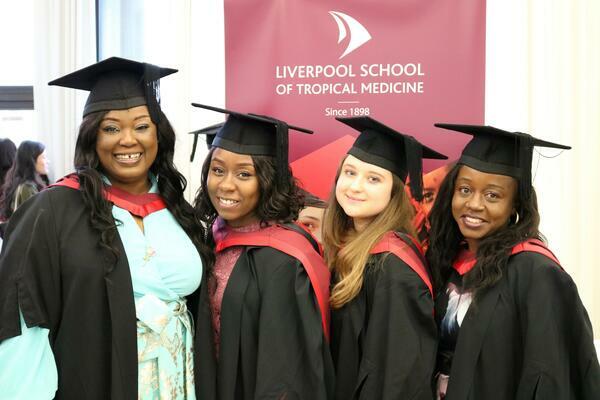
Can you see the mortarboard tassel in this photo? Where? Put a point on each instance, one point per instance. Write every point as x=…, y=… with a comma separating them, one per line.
x=152, y=91
x=414, y=153
x=525, y=157
x=282, y=153
x=194, y=145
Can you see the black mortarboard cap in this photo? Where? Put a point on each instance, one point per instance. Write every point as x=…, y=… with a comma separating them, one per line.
x=496, y=151
x=210, y=132
x=118, y=84
x=387, y=148
x=254, y=134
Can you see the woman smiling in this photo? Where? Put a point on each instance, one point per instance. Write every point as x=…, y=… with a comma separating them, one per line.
x=383, y=334
x=511, y=323
x=101, y=265
x=265, y=320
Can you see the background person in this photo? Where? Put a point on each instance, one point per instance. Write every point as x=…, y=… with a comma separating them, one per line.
x=23, y=179
x=8, y=151
x=431, y=185
x=311, y=215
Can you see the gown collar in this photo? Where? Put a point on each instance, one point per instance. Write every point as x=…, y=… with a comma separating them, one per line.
x=139, y=205
x=464, y=261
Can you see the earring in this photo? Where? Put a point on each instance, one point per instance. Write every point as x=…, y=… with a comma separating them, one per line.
x=516, y=217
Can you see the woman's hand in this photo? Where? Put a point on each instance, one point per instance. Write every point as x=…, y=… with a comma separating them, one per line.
x=441, y=386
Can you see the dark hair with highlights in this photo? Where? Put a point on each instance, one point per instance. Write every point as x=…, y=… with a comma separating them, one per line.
x=277, y=203
x=8, y=152
x=22, y=170
x=493, y=250
x=171, y=184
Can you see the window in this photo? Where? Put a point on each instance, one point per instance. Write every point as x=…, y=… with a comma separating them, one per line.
x=17, y=70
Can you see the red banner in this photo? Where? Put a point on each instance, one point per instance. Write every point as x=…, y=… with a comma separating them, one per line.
x=406, y=63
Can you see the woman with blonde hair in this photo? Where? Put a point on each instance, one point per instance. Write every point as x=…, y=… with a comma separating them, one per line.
x=383, y=333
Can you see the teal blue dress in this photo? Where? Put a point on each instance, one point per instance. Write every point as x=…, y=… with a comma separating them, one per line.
x=165, y=267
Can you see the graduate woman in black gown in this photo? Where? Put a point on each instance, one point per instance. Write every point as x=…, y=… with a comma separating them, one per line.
x=102, y=265
x=383, y=334
x=512, y=325
x=265, y=318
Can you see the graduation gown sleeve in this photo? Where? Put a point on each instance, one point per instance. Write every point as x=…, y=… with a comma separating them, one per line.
x=559, y=359
x=29, y=269
x=390, y=331
x=53, y=271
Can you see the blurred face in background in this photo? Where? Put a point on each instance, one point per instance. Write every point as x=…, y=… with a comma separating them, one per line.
x=431, y=185
x=41, y=164
x=312, y=219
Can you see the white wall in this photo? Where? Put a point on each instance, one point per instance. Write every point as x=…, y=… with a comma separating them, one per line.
x=543, y=78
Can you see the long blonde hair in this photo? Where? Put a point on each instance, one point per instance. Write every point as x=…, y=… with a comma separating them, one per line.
x=347, y=252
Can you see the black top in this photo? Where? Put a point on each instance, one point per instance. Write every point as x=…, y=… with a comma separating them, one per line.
x=496, y=151
x=387, y=148
x=118, y=84
x=52, y=269
x=383, y=341
x=272, y=344
x=527, y=337
x=456, y=302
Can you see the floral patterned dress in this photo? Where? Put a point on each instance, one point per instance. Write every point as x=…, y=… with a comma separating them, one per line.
x=165, y=267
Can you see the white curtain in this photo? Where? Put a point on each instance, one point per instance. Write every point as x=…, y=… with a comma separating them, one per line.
x=186, y=35
x=65, y=40
x=543, y=78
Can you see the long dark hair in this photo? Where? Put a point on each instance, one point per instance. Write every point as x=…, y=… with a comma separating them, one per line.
x=23, y=170
x=493, y=250
x=8, y=152
x=277, y=203
x=171, y=184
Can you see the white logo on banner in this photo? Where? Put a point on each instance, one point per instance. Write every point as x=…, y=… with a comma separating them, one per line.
x=358, y=33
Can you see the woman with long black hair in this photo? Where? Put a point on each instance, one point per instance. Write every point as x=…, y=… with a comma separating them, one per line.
x=512, y=325
x=98, y=272
x=8, y=151
x=264, y=321
x=23, y=179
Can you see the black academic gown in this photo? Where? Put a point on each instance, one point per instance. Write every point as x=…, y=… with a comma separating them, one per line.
x=528, y=337
x=53, y=268
x=272, y=344
x=383, y=341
